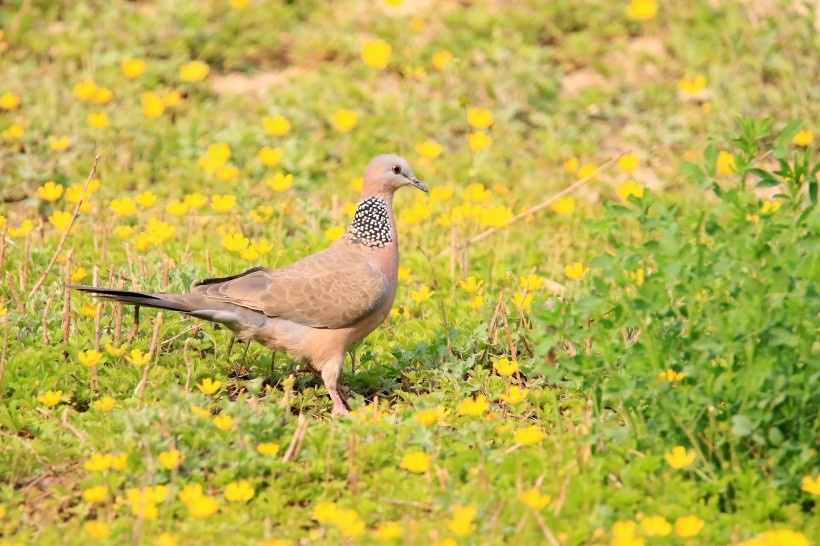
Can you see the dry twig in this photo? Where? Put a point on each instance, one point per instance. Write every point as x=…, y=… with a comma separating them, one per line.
x=74, y=217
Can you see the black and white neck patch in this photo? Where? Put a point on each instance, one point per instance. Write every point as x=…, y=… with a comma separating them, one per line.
x=371, y=223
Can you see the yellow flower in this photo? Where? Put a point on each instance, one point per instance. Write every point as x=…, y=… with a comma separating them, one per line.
x=571, y=165
x=376, y=54
x=115, y=351
x=421, y=295
x=269, y=157
x=630, y=187
x=516, y=396
x=642, y=10
x=138, y=359
x=429, y=149
x=416, y=462
x=470, y=285
x=344, y=120
x=14, y=132
x=441, y=193
x=98, y=120
x=262, y=246
x=811, y=485
x=803, y=138
x=268, y=448
x=227, y=172
x=637, y=276
x=348, y=522
x=58, y=144
x=276, y=126
x=3, y=310
x=769, y=207
x=430, y=416
x=190, y=492
x=132, y=68
x=146, y=199
x=628, y=162
x=473, y=406
x=96, y=530
x=671, y=375
x=171, y=99
x=356, y=184
x=208, y=386
x=50, y=398
x=50, y=191
x=726, y=162
x=60, y=220
x=325, y=512
x=531, y=282
x=167, y=539
x=404, y=273
x=476, y=302
x=88, y=309
x=462, y=522
x=241, y=491
x=202, y=507
x=171, y=459
x=84, y=90
x=692, y=88
x=223, y=422
x=102, y=95
x=656, y=526
x=95, y=495
x=534, y=499
x=781, y=537
x=280, y=182
x=442, y=58
x=334, y=232
x=98, y=462
x=239, y=4
x=195, y=201
x=124, y=207
x=25, y=228
x=521, y=301
x=479, y=118
x=235, y=242
x=152, y=105
x=679, y=457
x=688, y=526
x=586, y=171
x=528, y=436
x=104, y=404
x=563, y=206
x=176, y=208
x=119, y=462
x=9, y=101
x=200, y=412
x=575, y=271
x=479, y=140
x=261, y=214
x=505, y=367
x=388, y=531
x=223, y=203
x=194, y=71
x=90, y=357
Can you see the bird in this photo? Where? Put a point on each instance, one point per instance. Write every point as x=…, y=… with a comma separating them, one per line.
x=317, y=308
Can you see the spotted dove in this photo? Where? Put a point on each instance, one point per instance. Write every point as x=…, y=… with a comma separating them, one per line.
x=314, y=309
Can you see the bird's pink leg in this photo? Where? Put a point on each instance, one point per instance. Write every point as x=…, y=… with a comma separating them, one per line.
x=330, y=376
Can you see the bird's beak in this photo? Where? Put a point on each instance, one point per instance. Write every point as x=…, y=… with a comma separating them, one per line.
x=416, y=183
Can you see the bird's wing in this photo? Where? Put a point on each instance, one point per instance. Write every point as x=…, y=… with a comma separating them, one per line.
x=324, y=290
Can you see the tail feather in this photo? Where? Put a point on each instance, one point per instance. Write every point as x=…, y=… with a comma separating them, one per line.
x=172, y=302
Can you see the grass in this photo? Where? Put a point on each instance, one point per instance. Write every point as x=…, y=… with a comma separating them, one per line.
x=688, y=321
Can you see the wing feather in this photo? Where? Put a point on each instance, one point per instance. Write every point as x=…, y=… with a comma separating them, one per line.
x=325, y=290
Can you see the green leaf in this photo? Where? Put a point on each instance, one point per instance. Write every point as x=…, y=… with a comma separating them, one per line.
x=742, y=426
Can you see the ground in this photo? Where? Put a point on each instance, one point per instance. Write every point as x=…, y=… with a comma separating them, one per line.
x=633, y=362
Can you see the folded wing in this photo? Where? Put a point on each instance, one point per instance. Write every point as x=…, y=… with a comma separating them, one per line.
x=325, y=290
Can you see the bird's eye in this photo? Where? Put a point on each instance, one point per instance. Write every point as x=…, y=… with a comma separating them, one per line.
x=396, y=169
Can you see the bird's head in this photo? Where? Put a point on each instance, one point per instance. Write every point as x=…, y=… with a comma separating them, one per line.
x=387, y=173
